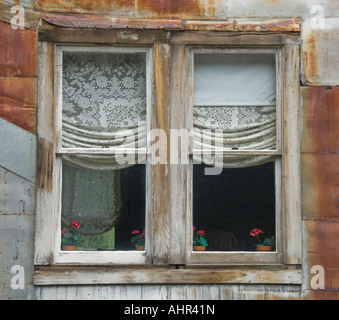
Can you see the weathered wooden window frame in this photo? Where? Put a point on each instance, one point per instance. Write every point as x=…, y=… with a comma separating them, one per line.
x=168, y=257
x=246, y=257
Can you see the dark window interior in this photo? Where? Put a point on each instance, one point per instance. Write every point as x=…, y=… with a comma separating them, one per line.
x=229, y=205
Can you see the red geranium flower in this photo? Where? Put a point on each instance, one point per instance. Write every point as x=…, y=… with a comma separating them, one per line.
x=255, y=232
x=198, y=237
x=142, y=234
x=201, y=233
x=75, y=224
x=138, y=238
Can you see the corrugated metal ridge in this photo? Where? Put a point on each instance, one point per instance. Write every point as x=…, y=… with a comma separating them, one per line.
x=92, y=22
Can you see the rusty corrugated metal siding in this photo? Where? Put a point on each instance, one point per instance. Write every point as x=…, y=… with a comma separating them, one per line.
x=152, y=9
x=18, y=53
x=320, y=181
x=319, y=145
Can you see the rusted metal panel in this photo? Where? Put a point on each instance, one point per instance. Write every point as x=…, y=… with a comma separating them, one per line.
x=283, y=25
x=17, y=52
x=320, y=59
x=161, y=9
x=320, y=119
x=321, y=249
x=17, y=102
x=191, y=9
x=320, y=186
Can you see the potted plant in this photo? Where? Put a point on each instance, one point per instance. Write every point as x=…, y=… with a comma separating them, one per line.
x=138, y=239
x=70, y=236
x=265, y=245
x=199, y=242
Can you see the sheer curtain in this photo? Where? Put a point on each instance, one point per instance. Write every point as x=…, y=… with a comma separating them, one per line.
x=103, y=105
x=234, y=106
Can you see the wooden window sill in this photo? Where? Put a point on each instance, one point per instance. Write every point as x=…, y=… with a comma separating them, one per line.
x=90, y=275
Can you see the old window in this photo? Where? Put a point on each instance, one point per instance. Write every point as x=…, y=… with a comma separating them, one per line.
x=103, y=106
x=236, y=122
x=100, y=154
x=174, y=130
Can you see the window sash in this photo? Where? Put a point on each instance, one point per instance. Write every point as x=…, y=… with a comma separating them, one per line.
x=92, y=49
x=245, y=257
x=278, y=52
x=241, y=257
x=95, y=257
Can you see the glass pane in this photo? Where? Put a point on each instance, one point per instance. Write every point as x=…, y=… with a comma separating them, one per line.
x=230, y=205
x=234, y=101
x=107, y=205
x=234, y=80
x=103, y=99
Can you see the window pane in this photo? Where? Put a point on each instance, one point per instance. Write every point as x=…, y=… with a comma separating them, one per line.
x=229, y=205
x=103, y=97
x=234, y=80
x=107, y=204
x=234, y=101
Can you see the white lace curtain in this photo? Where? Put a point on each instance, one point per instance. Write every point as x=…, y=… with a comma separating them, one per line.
x=103, y=105
x=234, y=106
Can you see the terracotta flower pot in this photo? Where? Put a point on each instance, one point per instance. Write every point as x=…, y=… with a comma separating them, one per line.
x=264, y=248
x=199, y=248
x=69, y=248
x=140, y=248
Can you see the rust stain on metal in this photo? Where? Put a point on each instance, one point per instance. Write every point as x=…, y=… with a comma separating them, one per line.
x=70, y=21
x=82, y=6
x=17, y=52
x=322, y=249
x=320, y=119
x=173, y=9
x=18, y=72
x=17, y=102
x=164, y=9
x=320, y=185
x=310, y=57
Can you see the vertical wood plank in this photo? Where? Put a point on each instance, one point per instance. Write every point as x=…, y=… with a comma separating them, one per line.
x=160, y=171
x=170, y=179
x=46, y=157
x=291, y=157
x=179, y=154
